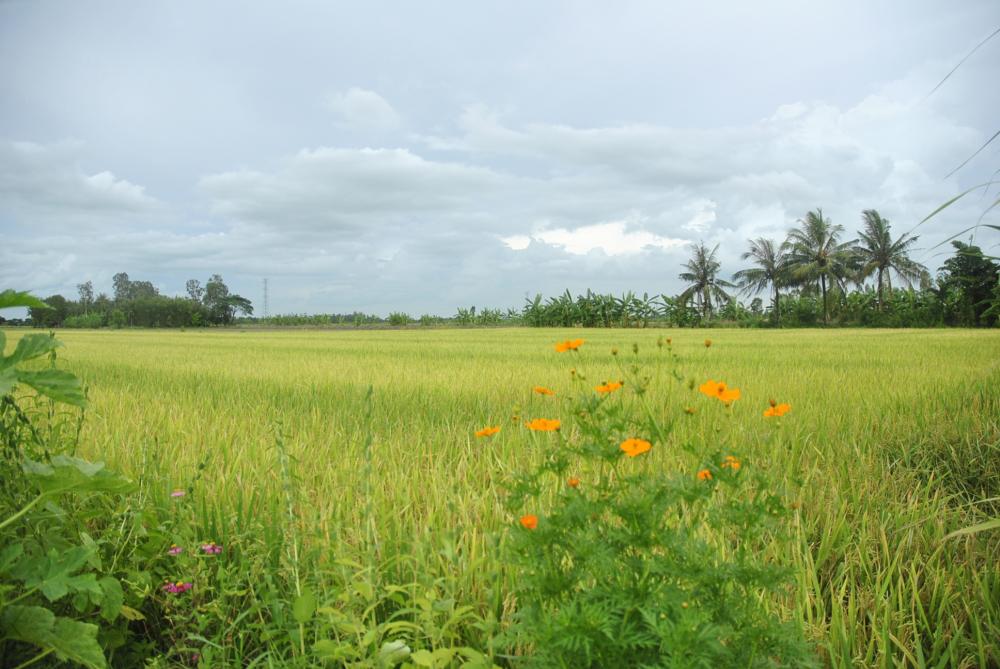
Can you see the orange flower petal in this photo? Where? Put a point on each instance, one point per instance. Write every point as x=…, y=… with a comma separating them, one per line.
x=731, y=462
x=633, y=447
x=542, y=390
x=529, y=521
x=487, y=431
x=544, y=424
x=711, y=388
x=777, y=410
x=704, y=475
x=608, y=387
x=573, y=482
x=569, y=345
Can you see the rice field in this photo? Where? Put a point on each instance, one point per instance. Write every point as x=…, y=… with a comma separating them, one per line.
x=892, y=443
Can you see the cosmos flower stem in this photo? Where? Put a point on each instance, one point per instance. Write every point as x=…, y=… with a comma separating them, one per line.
x=661, y=435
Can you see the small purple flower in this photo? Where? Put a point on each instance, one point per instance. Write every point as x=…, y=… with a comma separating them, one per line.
x=175, y=550
x=211, y=548
x=177, y=588
x=178, y=493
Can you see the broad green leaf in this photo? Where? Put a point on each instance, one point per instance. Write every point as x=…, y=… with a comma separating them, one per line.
x=56, y=384
x=11, y=298
x=131, y=614
x=422, y=658
x=9, y=556
x=32, y=346
x=304, y=607
x=54, y=574
x=71, y=474
x=86, y=591
x=114, y=598
x=70, y=639
x=393, y=652
x=8, y=379
x=334, y=651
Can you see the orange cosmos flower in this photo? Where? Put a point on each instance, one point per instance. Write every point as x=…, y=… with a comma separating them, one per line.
x=634, y=447
x=573, y=482
x=777, y=410
x=544, y=424
x=719, y=390
x=704, y=475
x=487, y=431
x=529, y=521
x=542, y=390
x=731, y=462
x=608, y=387
x=569, y=345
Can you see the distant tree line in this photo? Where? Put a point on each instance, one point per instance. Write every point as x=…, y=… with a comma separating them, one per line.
x=140, y=304
x=813, y=277
x=814, y=263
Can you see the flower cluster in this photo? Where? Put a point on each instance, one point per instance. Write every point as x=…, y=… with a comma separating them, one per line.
x=211, y=548
x=544, y=424
x=777, y=410
x=590, y=544
x=720, y=391
x=178, y=588
x=569, y=345
x=609, y=387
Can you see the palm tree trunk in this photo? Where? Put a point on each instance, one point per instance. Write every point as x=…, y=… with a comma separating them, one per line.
x=777, y=306
x=826, y=310
x=880, y=289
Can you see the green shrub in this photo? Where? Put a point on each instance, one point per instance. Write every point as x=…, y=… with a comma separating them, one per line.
x=399, y=318
x=91, y=321
x=620, y=563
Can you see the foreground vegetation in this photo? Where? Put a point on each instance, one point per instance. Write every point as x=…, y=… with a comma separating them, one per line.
x=361, y=520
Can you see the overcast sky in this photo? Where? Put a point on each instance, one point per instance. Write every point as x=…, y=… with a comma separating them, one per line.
x=422, y=156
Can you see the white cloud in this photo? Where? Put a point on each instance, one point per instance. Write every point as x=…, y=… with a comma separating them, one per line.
x=364, y=109
x=703, y=215
x=45, y=182
x=517, y=242
x=612, y=239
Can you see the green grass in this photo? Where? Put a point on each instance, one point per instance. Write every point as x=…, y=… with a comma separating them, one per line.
x=891, y=444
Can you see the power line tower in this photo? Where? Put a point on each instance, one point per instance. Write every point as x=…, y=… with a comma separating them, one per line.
x=266, y=311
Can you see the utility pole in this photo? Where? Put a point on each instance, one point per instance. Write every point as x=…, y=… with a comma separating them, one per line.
x=266, y=312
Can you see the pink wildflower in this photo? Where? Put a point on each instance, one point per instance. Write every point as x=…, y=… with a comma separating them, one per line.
x=211, y=548
x=178, y=588
x=175, y=550
x=178, y=493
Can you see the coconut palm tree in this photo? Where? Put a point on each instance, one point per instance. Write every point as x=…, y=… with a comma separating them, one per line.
x=702, y=273
x=882, y=256
x=771, y=271
x=816, y=255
